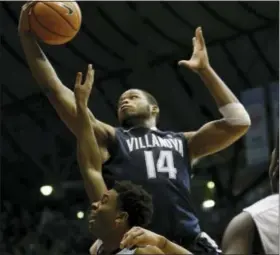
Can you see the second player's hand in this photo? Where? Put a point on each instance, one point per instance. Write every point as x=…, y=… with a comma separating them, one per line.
x=140, y=237
x=82, y=91
x=199, y=59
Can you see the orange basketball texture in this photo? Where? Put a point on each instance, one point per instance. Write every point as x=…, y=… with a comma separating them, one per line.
x=55, y=23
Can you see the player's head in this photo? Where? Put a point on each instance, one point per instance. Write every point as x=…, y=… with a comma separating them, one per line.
x=124, y=206
x=274, y=167
x=137, y=106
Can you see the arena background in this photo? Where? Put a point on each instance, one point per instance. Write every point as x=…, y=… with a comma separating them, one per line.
x=135, y=45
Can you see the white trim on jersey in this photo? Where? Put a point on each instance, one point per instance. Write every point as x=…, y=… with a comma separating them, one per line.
x=128, y=130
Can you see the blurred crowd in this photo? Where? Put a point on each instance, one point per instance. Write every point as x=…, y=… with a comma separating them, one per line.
x=48, y=232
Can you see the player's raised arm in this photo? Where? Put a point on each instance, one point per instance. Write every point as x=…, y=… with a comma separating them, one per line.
x=89, y=157
x=216, y=135
x=61, y=98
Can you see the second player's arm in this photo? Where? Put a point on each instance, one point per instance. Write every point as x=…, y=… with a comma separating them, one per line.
x=89, y=157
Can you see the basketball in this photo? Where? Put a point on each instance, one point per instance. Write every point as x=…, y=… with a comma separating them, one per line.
x=55, y=23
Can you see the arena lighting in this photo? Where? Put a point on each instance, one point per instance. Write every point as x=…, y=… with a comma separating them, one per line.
x=80, y=214
x=210, y=185
x=46, y=190
x=209, y=203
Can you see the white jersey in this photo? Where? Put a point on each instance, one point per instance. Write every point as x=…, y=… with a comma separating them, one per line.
x=124, y=251
x=265, y=214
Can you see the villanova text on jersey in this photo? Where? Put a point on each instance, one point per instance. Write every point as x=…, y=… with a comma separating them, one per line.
x=152, y=140
x=159, y=162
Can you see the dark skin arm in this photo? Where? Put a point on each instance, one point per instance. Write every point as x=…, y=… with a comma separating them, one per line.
x=88, y=152
x=60, y=97
x=239, y=235
x=219, y=134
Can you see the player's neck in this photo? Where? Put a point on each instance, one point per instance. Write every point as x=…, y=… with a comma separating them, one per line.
x=133, y=123
x=112, y=242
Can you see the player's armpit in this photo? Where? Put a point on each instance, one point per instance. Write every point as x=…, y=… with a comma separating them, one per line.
x=148, y=250
x=239, y=235
x=213, y=137
x=65, y=106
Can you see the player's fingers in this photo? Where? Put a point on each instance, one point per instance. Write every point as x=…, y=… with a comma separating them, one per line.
x=132, y=240
x=193, y=42
x=79, y=78
x=137, y=240
x=131, y=232
x=128, y=238
x=200, y=38
x=27, y=6
x=184, y=63
x=90, y=76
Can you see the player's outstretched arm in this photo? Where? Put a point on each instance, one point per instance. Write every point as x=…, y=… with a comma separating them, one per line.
x=61, y=98
x=219, y=134
x=137, y=236
x=88, y=152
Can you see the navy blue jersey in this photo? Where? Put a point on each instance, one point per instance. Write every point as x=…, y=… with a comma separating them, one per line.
x=158, y=161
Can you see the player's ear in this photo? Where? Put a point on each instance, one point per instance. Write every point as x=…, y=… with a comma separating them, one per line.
x=155, y=110
x=122, y=217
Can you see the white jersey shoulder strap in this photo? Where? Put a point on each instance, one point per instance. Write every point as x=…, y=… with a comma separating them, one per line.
x=265, y=214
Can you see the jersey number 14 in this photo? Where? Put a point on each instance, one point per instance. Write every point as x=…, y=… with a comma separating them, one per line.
x=164, y=164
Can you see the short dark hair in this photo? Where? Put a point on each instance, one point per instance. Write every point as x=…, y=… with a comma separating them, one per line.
x=134, y=200
x=151, y=100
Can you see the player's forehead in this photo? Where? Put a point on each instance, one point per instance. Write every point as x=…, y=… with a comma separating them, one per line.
x=131, y=92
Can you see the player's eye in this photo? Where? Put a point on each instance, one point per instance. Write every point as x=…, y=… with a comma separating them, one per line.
x=104, y=200
x=134, y=97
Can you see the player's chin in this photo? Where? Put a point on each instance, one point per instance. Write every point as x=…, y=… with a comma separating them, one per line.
x=92, y=227
x=127, y=116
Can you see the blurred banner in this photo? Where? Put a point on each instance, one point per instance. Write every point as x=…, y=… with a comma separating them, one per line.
x=256, y=140
x=274, y=106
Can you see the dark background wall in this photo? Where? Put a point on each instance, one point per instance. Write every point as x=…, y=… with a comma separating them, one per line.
x=131, y=45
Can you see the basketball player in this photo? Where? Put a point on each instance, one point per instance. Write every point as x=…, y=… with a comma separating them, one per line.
x=256, y=229
x=138, y=151
x=124, y=206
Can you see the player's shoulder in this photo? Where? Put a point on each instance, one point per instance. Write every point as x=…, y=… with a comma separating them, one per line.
x=264, y=205
x=241, y=224
x=148, y=250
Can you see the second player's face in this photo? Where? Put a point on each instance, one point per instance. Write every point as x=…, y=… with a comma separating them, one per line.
x=103, y=214
x=132, y=104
